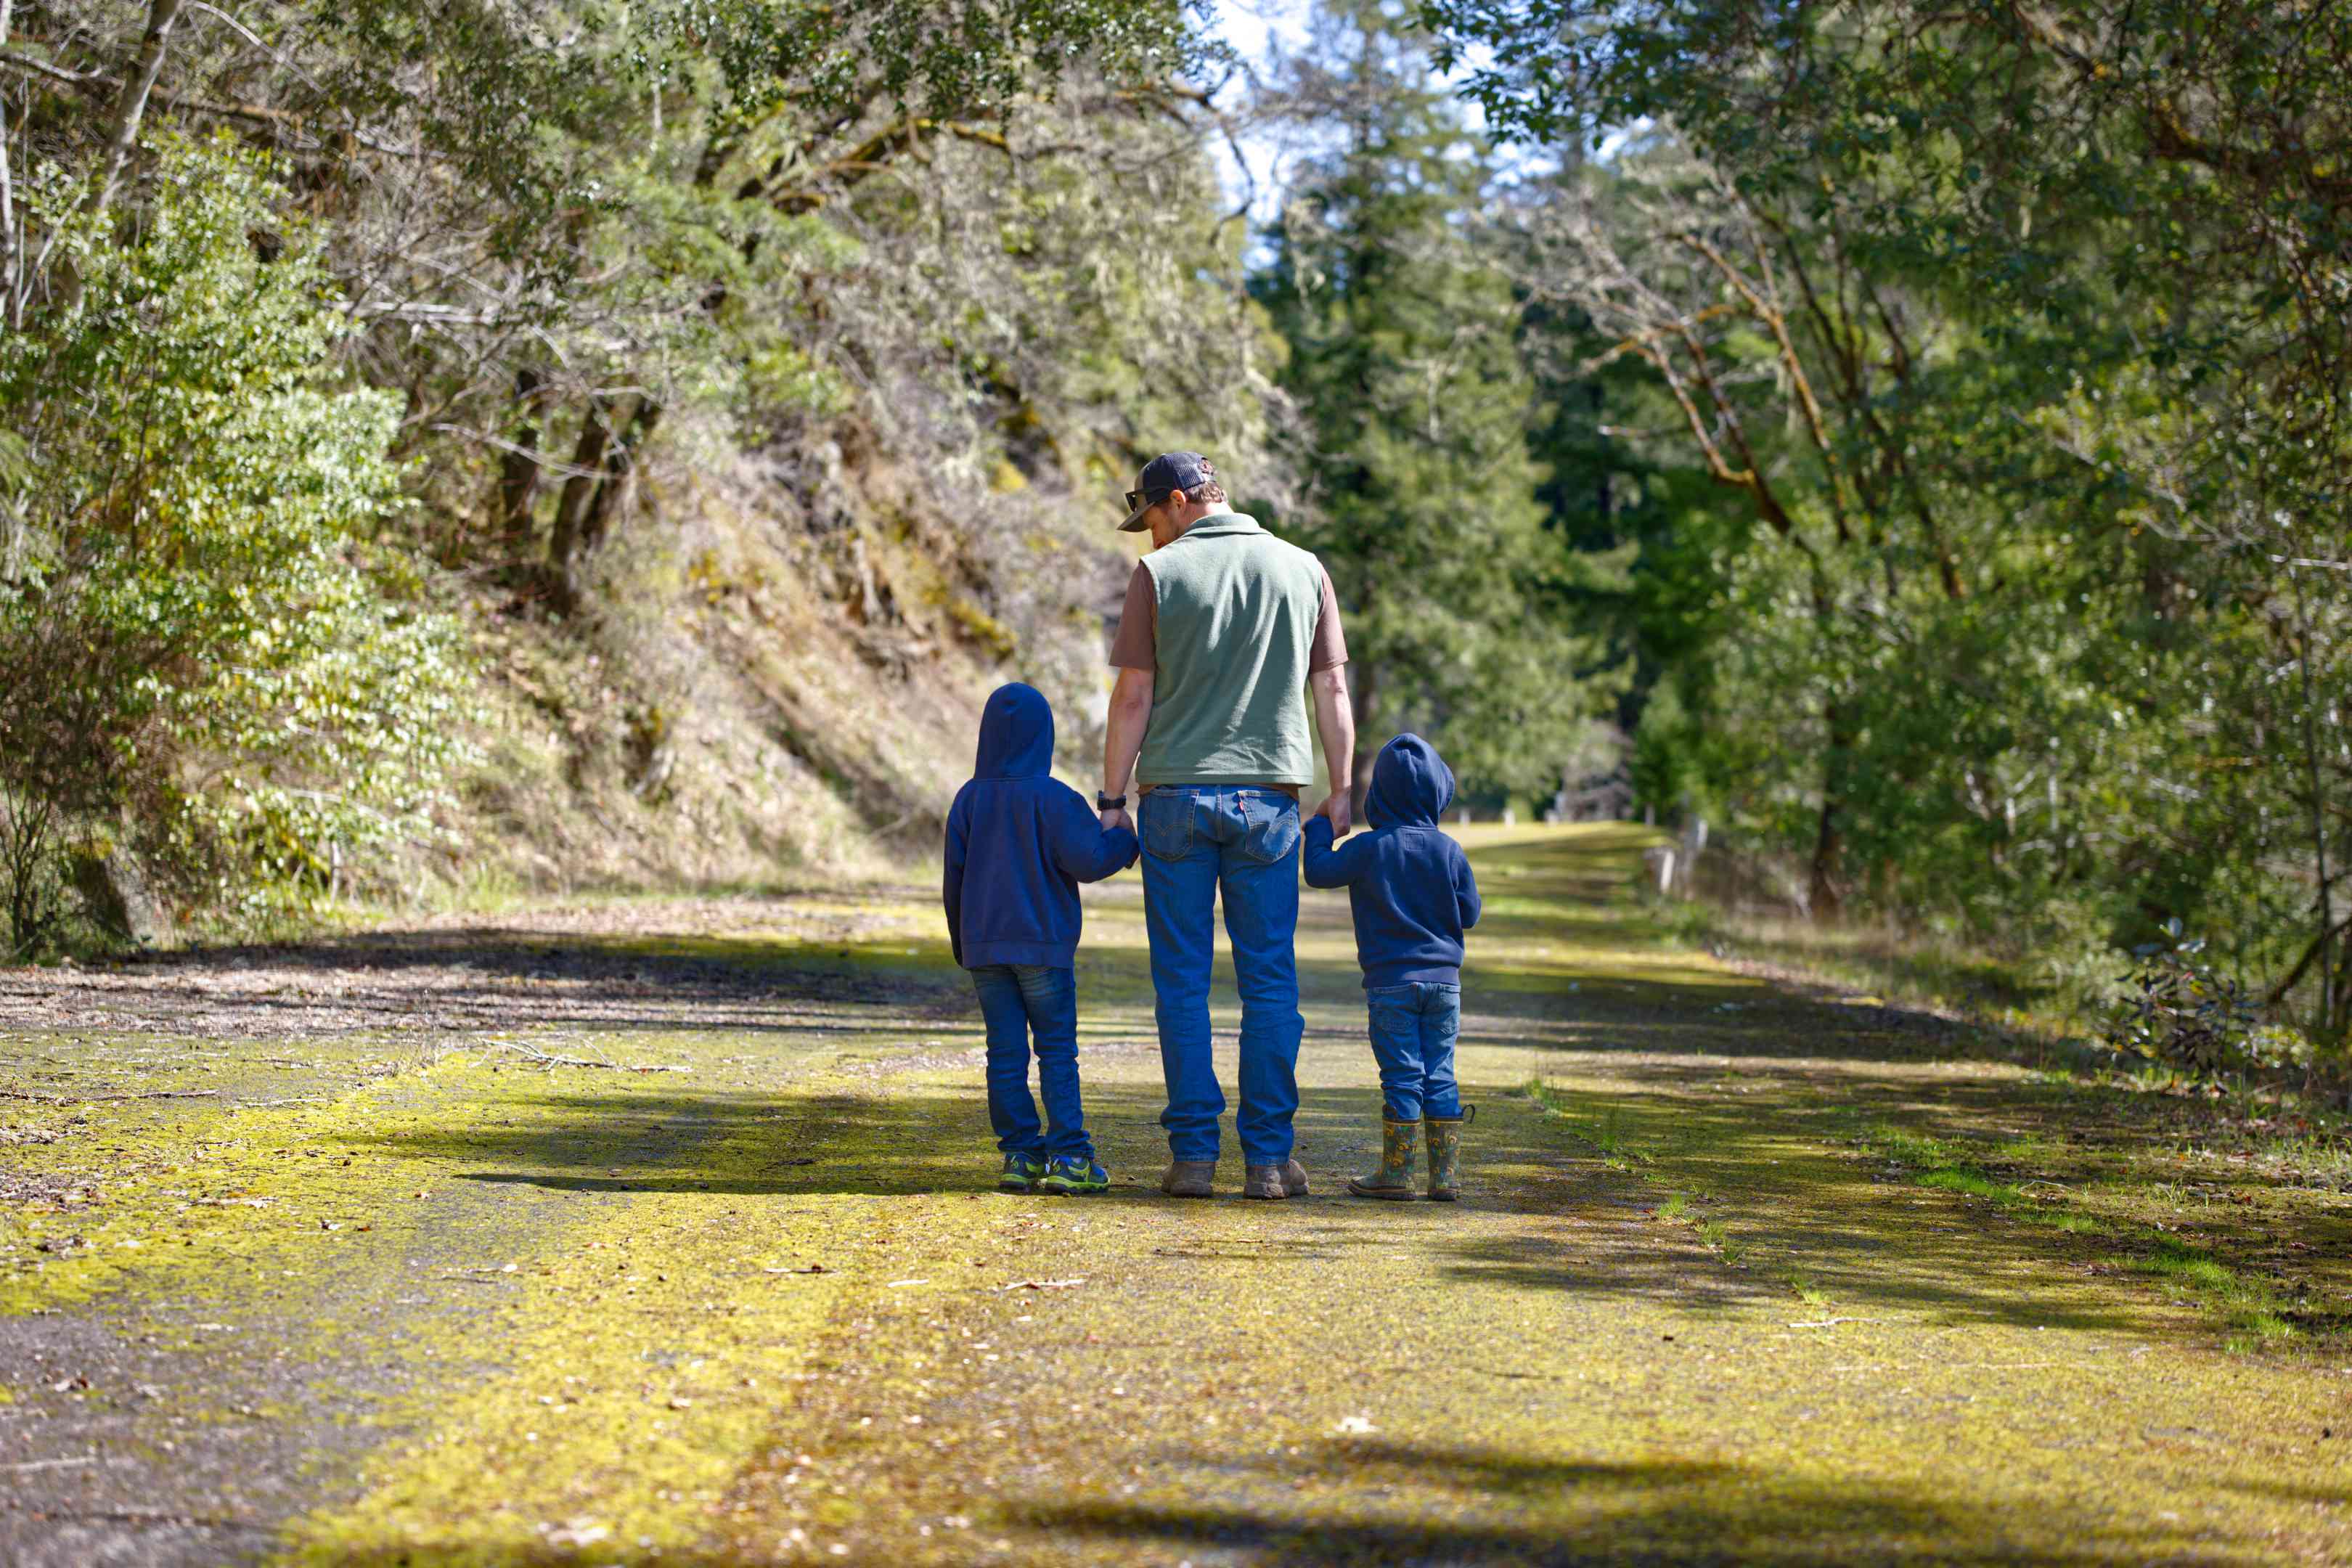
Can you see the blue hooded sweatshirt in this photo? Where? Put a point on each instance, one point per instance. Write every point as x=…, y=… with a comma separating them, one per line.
x=1408, y=884
x=1019, y=843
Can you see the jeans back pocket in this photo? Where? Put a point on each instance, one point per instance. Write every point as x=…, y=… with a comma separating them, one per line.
x=1167, y=823
x=1272, y=827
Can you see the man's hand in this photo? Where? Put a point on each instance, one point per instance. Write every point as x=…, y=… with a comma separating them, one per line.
x=1335, y=726
x=1130, y=715
x=1339, y=808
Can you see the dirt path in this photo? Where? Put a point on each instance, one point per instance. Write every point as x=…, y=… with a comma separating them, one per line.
x=1746, y=1273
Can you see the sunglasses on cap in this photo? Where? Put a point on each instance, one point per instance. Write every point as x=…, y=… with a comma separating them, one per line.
x=1138, y=497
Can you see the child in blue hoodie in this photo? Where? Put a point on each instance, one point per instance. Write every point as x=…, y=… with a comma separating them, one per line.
x=1412, y=896
x=1019, y=843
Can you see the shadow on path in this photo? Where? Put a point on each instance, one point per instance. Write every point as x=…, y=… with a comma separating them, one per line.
x=1544, y=1213
x=1367, y=1503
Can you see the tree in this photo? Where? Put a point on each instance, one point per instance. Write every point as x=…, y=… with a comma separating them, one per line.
x=200, y=630
x=2049, y=306
x=1421, y=496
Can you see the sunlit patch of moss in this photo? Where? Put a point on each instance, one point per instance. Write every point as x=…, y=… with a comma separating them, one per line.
x=225, y=1194
x=1973, y=1184
x=642, y=1359
x=1914, y=1149
x=2247, y=1310
x=2186, y=1264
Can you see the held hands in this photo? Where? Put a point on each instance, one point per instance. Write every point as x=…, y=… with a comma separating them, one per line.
x=1117, y=817
x=1339, y=808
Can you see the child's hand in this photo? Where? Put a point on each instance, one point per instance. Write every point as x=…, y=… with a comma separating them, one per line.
x=1117, y=817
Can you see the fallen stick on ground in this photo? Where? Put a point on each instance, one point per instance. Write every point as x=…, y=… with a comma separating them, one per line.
x=1955, y=1365
x=1040, y=1285
x=550, y=1060
x=62, y=1463
x=1833, y=1322
x=92, y=1099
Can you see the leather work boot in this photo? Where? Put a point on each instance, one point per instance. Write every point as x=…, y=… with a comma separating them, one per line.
x=1394, y=1180
x=1445, y=1136
x=1288, y=1180
x=1189, y=1178
x=1265, y=1182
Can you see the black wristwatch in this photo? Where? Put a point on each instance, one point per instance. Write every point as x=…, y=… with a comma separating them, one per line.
x=1109, y=802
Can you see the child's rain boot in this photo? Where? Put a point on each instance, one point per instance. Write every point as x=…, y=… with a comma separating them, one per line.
x=1445, y=1135
x=1394, y=1178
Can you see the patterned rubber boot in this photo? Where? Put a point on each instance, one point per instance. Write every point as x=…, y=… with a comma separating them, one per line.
x=1394, y=1180
x=1445, y=1136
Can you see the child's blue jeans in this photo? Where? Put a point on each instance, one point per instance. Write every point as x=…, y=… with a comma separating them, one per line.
x=1413, y=1026
x=1015, y=1001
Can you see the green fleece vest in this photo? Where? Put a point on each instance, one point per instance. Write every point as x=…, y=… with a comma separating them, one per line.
x=1235, y=612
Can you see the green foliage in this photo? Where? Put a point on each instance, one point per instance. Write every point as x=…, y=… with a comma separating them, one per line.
x=2019, y=337
x=202, y=628
x=2178, y=1009
x=957, y=57
x=1403, y=361
x=821, y=265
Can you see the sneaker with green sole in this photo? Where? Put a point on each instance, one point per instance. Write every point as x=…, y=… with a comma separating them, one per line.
x=1074, y=1174
x=1021, y=1172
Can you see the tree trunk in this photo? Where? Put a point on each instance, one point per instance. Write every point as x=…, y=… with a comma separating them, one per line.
x=518, y=472
x=9, y=311
x=603, y=470
x=130, y=108
x=2330, y=1020
x=1829, y=842
x=620, y=476
x=572, y=509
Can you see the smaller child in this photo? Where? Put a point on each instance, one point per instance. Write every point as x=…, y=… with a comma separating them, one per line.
x=1412, y=896
x=1019, y=843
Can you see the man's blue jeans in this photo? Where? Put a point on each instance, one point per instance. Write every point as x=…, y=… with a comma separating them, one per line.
x=1014, y=1000
x=1199, y=839
x=1413, y=1026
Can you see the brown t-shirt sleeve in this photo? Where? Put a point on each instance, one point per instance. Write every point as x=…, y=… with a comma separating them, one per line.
x=1329, y=648
x=1135, y=646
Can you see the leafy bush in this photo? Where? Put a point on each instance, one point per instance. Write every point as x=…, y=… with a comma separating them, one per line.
x=2180, y=1010
x=204, y=644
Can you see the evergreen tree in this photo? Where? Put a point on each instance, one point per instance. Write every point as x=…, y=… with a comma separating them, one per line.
x=1421, y=494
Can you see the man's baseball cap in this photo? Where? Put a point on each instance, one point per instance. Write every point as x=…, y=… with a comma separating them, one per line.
x=1186, y=471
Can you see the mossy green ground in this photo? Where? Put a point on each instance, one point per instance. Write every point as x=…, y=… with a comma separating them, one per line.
x=1741, y=1276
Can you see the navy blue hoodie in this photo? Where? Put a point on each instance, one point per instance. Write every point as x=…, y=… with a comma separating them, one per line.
x=1020, y=841
x=1408, y=885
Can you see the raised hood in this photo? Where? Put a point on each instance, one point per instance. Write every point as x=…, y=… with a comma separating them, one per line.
x=1016, y=735
x=1410, y=784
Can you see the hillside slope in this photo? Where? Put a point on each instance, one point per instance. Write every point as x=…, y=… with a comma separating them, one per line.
x=779, y=675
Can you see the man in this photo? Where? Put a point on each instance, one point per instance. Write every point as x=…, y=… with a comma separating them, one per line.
x=1226, y=631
